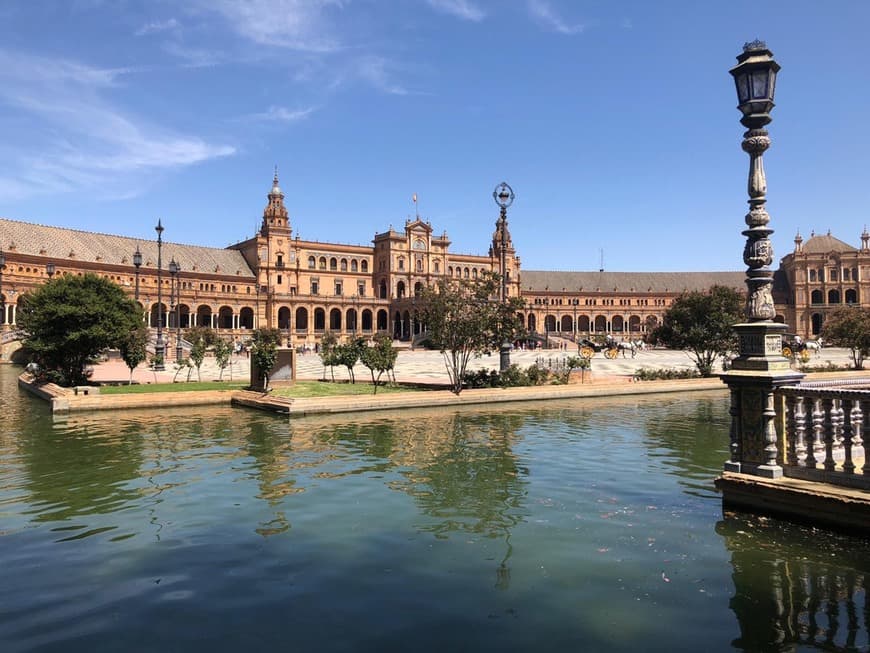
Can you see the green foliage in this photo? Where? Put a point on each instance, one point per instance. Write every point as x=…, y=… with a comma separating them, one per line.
x=380, y=357
x=71, y=319
x=264, y=352
x=133, y=348
x=702, y=323
x=223, y=351
x=649, y=374
x=208, y=335
x=464, y=318
x=197, y=354
x=850, y=327
x=327, y=353
x=348, y=355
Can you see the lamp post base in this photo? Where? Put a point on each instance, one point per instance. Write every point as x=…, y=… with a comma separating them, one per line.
x=159, y=355
x=504, y=356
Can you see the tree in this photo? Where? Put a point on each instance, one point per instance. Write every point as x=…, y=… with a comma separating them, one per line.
x=133, y=348
x=465, y=318
x=850, y=327
x=71, y=319
x=348, y=354
x=264, y=352
x=380, y=358
x=197, y=353
x=702, y=323
x=328, y=343
x=223, y=351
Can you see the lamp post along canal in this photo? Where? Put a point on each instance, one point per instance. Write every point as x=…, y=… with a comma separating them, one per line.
x=760, y=367
x=504, y=197
x=137, y=263
x=2, y=296
x=174, y=270
x=159, y=346
x=50, y=269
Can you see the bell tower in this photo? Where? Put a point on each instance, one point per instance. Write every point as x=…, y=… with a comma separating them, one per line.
x=275, y=218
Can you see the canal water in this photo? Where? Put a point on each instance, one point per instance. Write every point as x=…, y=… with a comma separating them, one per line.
x=583, y=525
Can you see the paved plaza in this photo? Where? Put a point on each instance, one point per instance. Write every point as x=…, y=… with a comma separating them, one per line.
x=428, y=366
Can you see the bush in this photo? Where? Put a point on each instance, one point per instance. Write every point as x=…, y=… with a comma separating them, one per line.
x=663, y=374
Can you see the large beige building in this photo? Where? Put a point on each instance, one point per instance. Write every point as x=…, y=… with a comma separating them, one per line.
x=306, y=288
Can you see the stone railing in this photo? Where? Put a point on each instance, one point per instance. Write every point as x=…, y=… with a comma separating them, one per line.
x=826, y=424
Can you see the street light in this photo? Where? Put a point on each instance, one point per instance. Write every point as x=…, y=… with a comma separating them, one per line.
x=2, y=296
x=50, y=270
x=760, y=367
x=755, y=79
x=174, y=269
x=504, y=197
x=137, y=262
x=159, y=346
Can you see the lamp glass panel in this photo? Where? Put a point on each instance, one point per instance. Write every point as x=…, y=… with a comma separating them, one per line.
x=742, y=81
x=759, y=82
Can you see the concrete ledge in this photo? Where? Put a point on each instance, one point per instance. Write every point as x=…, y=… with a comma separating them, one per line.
x=64, y=400
x=397, y=401
x=799, y=500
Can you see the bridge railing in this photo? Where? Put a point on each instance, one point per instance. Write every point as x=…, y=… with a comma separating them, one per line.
x=826, y=426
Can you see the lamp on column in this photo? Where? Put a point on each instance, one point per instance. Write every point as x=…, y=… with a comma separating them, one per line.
x=50, y=270
x=504, y=197
x=159, y=346
x=137, y=263
x=2, y=296
x=174, y=270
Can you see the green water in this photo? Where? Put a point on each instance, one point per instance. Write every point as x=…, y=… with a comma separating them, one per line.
x=583, y=525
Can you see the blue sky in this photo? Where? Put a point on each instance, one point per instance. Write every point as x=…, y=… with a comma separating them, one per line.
x=614, y=122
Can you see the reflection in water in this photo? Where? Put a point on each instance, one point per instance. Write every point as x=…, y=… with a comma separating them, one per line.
x=785, y=594
x=565, y=525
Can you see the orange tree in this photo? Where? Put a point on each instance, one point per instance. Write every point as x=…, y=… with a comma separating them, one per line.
x=850, y=327
x=465, y=319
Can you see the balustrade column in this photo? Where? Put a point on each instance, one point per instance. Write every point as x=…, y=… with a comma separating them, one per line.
x=846, y=409
x=829, y=430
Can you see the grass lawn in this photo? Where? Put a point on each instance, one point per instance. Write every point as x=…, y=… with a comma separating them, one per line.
x=193, y=386
x=300, y=390
x=304, y=389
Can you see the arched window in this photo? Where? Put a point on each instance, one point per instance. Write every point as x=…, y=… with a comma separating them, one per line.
x=833, y=296
x=382, y=289
x=812, y=275
x=437, y=267
x=365, y=266
x=344, y=265
x=851, y=296
x=354, y=266
x=301, y=319
x=816, y=297
x=400, y=289
x=322, y=262
x=474, y=273
x=449, y=270
x=333, y=263
x=467, y=273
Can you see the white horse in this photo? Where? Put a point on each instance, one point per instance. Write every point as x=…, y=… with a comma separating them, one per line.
x=627, y=346
x=640, y=344
x=814, y=346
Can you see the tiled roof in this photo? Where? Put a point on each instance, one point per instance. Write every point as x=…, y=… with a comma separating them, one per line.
x=87, y=246
x=825, y=244
x=538, y=281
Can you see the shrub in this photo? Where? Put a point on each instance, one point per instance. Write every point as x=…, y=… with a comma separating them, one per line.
x=647, y=374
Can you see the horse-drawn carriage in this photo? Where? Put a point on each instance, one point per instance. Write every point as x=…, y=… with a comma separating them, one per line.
x=793, y=346
x=611, y=347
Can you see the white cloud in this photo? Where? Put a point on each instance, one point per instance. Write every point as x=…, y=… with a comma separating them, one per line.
x=459, y=8
x=294, y=24
x=542, y=12
x=374, y=70
x=83, y=140
x=158, y=26
x=282, y=114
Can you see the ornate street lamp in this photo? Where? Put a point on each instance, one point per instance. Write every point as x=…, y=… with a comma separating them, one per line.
x=50, y=270
x=755, y=78
x=760, y=367
x=2, y=296
x=174, y=269
x=137, y=262
x=159, y=346
x=504, y=197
